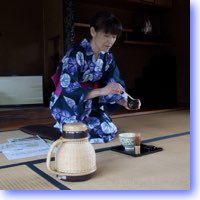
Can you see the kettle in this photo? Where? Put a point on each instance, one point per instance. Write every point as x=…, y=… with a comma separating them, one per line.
x=75, y=158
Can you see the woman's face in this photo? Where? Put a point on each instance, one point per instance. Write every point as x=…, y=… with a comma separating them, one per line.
x=102, y=41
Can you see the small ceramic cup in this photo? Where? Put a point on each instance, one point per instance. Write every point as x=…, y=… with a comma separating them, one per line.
x=127, y=140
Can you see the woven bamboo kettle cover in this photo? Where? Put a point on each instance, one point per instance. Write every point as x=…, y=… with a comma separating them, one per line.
x=74, y=127
x=75, y=158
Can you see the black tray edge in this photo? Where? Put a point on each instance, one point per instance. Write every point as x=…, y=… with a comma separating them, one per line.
x=131, y=153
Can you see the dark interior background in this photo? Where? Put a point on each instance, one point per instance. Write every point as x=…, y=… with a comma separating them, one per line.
x=156, y=67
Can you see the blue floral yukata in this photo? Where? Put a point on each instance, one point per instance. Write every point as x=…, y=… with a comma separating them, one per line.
x=78, y=73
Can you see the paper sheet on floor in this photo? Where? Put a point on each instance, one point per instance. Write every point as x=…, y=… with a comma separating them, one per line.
x=24, y=147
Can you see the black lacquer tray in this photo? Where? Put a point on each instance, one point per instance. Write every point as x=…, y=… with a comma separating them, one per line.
x=145, y=150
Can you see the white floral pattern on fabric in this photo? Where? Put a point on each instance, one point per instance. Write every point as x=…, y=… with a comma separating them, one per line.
x=70, y=102
x=65, y=80
x=107, y=127
x=99, y=65
x=65, y=60
x=54, y=98
x=93, y=122
x=87, y=76
x=65, y=63
x=71, y=119
x=80, y=58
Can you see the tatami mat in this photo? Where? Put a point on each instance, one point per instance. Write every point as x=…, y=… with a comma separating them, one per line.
x=165, y=170
x=159, y=171
x=23, y=178
x=152, y=125
x=149, y=125
x=156, y=124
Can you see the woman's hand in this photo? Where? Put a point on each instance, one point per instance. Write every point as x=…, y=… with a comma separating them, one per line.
x=123, y=103
x=112, y=88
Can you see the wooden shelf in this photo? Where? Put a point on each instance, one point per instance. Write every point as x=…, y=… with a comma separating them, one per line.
x=85, y=25
x=132, y=42
x=135, y=42
x=81, y=25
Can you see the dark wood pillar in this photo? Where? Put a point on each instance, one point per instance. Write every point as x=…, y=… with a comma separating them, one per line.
x=68, y=24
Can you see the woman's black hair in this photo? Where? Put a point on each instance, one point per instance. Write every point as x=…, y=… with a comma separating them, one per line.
x=106, y=22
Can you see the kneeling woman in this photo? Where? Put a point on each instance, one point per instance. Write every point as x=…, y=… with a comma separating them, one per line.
x=88, y=80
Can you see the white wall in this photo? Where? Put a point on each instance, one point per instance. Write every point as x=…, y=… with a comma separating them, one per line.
x=21, y=90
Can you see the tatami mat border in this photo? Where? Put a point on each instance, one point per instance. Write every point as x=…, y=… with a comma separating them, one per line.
x=165, y=137
x=47, y=177
x=147, y=112
x=9, y=130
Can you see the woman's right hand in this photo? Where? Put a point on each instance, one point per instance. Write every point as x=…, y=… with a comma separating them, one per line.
x=112, y=88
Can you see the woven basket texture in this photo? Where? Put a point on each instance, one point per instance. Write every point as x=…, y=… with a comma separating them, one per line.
x=75, y=157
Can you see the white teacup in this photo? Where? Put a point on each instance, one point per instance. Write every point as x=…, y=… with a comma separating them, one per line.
x=127, y=140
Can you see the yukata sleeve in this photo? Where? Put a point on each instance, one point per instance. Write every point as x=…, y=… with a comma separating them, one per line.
x=74, y=95
x=112, y=74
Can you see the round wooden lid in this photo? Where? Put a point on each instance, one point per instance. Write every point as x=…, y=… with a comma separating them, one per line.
x=74, y=127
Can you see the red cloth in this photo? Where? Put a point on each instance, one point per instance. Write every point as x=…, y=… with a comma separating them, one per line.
x=56, y=81
x=93, y=85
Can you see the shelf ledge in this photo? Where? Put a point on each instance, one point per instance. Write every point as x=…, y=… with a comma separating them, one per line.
x=84, y=25
x=148, y=43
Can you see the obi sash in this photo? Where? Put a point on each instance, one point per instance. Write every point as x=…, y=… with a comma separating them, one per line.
x=56, y=81
x=93, y=85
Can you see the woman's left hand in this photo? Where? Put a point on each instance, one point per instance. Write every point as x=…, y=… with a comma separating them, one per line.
x=123, y=103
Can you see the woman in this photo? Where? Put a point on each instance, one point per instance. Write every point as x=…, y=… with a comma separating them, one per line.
x=87, y=80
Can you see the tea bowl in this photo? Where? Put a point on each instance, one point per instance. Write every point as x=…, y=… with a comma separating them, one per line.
x=127, y=140
x=134, y=104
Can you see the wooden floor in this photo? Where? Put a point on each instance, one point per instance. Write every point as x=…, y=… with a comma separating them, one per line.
x=16, y=118
x=12, y=119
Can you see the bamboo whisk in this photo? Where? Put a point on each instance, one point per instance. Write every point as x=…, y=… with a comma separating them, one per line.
x=137, y=139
